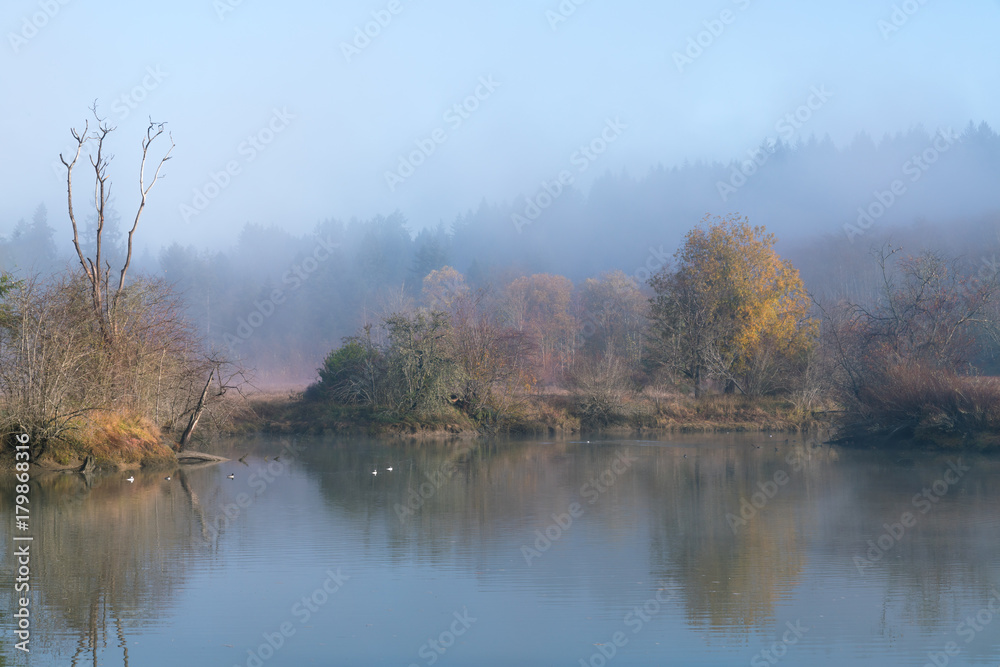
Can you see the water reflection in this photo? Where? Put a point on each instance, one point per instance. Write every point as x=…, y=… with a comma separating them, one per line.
x=106, y=557
x=554, y=543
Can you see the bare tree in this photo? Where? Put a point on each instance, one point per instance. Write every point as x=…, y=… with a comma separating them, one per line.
x=228, y=376
x=492, y=359
x=98, y=273
x=904, y=363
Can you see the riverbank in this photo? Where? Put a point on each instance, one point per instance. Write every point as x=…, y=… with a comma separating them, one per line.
x=543, y=413
x=912, y=407
x=968, y=422
x=116, y=442
x=960, y=420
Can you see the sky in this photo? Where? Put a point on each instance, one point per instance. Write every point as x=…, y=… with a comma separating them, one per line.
x=288, y=114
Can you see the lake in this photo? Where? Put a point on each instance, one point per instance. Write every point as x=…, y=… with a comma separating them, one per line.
x=687, y=550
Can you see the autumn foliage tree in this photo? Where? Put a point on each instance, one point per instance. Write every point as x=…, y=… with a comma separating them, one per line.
x=731, y=310
x=493, y=359
x=444, y=289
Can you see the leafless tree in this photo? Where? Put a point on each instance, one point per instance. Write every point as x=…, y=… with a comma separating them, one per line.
x=97, y=269
x=910, y=353
x=493, y=360
x=602, y=389
x=228, y=376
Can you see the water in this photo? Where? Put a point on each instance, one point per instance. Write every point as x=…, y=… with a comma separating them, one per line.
x=617, y=552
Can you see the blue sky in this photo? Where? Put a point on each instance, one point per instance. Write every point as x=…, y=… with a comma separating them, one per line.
x=329, y=126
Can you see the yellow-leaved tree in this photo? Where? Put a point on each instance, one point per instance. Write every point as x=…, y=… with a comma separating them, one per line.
x=444, y=289
x=732, y=310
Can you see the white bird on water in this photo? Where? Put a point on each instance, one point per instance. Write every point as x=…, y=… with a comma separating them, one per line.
x=231, y=476
x=374, y=472
x=130, y=480
x=389, y=468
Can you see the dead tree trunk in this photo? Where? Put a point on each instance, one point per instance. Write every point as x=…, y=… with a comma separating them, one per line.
x=196, y=415
x=96, y=269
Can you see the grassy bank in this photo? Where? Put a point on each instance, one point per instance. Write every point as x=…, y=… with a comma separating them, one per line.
x=554, y=412
x=912, y=406
x=113, y=441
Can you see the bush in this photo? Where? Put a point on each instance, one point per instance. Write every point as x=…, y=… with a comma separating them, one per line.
x=603, y=391
x=58, y=368
x=341, y=370
x=915, y=401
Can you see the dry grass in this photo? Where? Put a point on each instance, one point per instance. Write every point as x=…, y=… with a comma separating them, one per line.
x=550, y=411
x=725, y=412
x=554, y=410
x=666, y=410
x=114, y=441
x=932, y=405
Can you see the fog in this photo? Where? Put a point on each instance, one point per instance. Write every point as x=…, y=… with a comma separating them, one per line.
x=568, y=137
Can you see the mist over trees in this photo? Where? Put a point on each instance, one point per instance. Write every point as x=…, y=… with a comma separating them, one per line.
x=281, y=301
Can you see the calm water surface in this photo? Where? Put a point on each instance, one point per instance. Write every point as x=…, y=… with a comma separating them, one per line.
x=719, y=550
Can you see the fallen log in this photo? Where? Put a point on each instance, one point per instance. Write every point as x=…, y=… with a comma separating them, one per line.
x=199, y=457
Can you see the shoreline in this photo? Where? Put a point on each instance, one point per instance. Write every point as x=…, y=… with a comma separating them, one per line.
x=290, y=413
x=543, y=414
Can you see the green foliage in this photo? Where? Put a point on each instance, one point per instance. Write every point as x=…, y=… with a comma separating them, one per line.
x=340, y=367
x=408, y=370
x=419, y=365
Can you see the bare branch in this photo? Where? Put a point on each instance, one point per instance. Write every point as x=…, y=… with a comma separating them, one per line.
x=81, y=139
x=144, y=189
